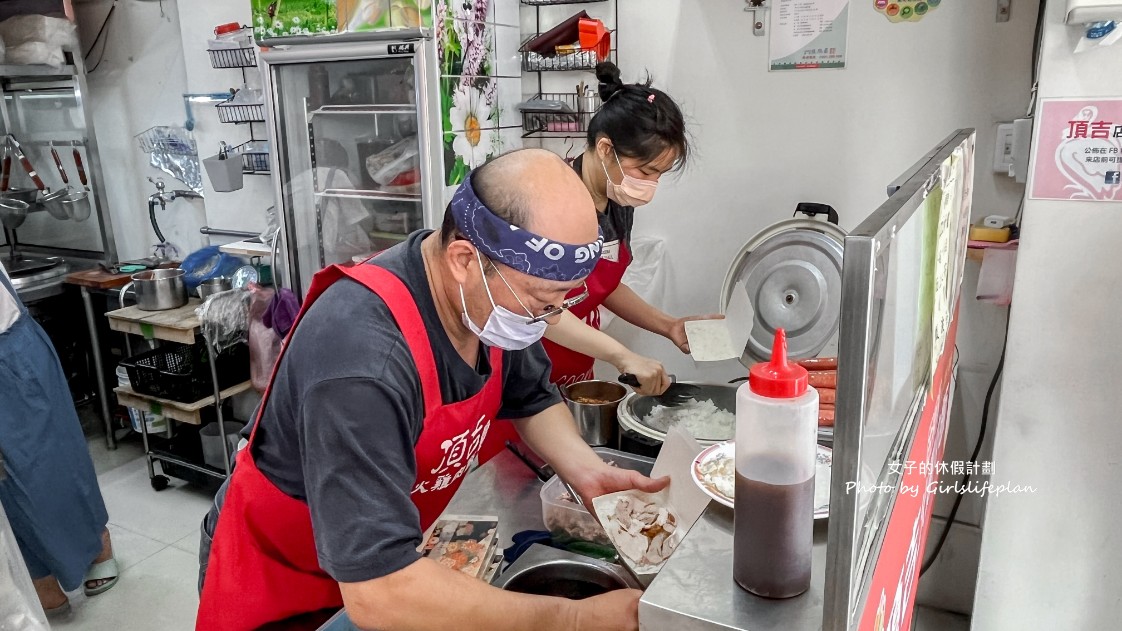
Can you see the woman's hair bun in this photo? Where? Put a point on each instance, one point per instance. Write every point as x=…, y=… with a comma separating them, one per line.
x=608, y=75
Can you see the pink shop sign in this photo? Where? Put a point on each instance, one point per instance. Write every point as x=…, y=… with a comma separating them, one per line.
x=1078, y=150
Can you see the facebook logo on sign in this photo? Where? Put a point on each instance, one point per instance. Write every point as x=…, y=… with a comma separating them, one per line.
x=1113, y=177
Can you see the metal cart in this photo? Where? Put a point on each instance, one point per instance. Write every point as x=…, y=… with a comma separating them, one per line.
x=180, y=325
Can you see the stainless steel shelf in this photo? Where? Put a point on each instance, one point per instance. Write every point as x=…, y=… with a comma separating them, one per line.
x=15, y=71
x=363, y=110
x=345, y=193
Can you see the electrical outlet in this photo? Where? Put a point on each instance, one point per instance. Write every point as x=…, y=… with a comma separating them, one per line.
x=1003, y=149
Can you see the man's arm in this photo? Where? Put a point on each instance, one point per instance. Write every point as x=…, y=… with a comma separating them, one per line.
x=427, y=596
x=553, y=435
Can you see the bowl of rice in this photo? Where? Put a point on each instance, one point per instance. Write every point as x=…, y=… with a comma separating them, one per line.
x=710, y=417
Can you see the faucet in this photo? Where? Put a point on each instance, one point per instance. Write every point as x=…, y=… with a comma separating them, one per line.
x=163, y=198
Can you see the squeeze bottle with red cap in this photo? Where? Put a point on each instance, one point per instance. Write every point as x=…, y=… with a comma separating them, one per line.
x=776, y=448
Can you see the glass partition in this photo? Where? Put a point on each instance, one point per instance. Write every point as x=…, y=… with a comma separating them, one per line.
x=901, y=275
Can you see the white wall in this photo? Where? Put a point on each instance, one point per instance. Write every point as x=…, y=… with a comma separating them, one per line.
x=151, y=60
x=1049, y=560
x=243, y=209
x=137, y=85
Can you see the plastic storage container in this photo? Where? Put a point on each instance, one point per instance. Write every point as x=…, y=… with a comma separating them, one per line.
x=776, y=456
x=212, y=443
x=568, y=518
x=156, y=423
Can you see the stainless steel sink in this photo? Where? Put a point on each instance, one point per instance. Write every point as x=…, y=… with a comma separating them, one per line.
x=548, y=571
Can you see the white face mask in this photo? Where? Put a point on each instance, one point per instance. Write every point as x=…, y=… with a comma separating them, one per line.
x=504, y=329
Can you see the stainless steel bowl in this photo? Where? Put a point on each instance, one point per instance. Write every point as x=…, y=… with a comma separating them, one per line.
x=594, y=404
x=158, y=289
x=213, y=286
x=546, y=571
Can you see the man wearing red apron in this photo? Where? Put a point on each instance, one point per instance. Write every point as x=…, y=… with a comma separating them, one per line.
x=395, y=379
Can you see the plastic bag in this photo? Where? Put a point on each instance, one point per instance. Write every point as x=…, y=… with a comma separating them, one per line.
x=225, y=318
x=401, y=158
x=19, y=606
x=345, y=233
x=264, y=343
x=54, y=32
x=646, y=275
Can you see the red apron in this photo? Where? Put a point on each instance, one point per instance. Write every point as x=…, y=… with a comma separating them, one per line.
x=263, y=566
x=569, y=366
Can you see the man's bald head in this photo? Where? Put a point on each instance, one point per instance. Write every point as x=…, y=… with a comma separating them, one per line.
x=535, y=190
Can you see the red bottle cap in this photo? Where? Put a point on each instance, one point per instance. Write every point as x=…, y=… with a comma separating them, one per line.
x=229, y=27
x=778, y=378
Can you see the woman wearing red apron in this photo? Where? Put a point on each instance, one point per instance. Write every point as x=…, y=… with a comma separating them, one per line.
x=395, y=379
x=637, y=135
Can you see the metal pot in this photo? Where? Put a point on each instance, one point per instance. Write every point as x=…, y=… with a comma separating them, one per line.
x=636, y=437
x=546, y=571
x=212, y=286
x=594, y=404
x=158, y=289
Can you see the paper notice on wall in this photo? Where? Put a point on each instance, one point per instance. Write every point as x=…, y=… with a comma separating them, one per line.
x=807, y=34
x=1078, y=150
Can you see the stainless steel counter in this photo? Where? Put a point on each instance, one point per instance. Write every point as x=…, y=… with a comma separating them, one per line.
x=695, y=590
x=503, y=487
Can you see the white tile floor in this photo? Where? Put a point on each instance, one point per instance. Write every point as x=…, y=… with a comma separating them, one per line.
x=156, y=539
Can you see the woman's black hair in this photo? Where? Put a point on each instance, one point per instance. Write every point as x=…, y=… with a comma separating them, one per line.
x=642, y=122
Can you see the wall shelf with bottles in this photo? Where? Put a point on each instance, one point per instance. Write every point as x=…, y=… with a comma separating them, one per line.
x=234, y=50
x=255, y=157
x=233, y=58
x=234, y=113
x=569, y=58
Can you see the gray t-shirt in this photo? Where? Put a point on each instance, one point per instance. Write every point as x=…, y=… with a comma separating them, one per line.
x=345, y=412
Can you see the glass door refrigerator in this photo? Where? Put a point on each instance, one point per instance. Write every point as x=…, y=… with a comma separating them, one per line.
x=356, y=128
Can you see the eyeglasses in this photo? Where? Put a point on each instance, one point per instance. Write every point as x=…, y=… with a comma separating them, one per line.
x=550, y=311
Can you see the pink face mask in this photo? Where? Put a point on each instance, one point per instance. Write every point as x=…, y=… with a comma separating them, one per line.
x=631, y=191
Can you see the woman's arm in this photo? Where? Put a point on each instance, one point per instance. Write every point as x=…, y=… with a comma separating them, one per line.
x=574, y=334
x=628, y=305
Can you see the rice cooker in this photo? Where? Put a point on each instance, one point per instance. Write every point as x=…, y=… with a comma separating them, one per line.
x=638, y=436
x=791, y=271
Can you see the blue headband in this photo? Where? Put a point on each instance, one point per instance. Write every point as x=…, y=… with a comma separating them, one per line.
x=518, y=248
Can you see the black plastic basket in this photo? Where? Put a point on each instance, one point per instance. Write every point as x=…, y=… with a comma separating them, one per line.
x=233, y=58
x=181, y=372
x=231, y=113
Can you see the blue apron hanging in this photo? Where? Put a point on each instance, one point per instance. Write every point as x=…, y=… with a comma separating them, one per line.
x=50, y=490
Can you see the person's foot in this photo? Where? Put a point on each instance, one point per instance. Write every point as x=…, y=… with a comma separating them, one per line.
x=106, y=554
x=49, y=592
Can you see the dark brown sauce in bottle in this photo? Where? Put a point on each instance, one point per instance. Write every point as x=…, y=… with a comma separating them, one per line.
x=774, y=532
